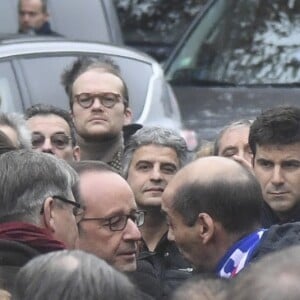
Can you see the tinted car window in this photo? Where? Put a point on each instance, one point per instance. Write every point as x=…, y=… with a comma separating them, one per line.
x=243, y=42
x=49, y=80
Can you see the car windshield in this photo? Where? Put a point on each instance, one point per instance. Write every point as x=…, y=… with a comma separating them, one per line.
x=242, y=42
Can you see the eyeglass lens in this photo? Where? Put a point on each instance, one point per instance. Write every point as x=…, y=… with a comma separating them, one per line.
x=86, y=100
x=120, y=222
x=58, y=140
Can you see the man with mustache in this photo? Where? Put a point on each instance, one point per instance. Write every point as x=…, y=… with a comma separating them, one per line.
x=152, y=156
x=275, y=143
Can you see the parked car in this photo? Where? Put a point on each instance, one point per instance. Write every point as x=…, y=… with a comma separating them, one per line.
x=31, y=68
x=92, y=20
x=237, y=58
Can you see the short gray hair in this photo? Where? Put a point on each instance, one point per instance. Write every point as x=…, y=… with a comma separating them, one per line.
x=18, y=123
x=155, y=136
x=27, y=178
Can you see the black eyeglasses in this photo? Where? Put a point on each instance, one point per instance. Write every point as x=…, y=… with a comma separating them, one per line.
x=109, y=100
x=58, y=140
x=77, y=209
x=118, y=223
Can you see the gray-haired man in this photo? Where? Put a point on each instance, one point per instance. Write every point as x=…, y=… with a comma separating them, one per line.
x=38, y=210
x=151, y=158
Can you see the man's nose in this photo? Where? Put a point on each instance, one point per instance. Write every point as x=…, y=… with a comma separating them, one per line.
x=156, y=173
x=131, y=231
x=97, y=104
x=25, y=17
x=47, y=146
x=277, y=177
x=171, y=236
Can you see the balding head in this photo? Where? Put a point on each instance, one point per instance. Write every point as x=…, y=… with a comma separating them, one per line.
x=220, y=187
x=207, y=170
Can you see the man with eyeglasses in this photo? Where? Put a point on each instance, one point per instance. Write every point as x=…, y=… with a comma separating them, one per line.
x=99, y=101
x=52, y=131
x=38, y=212
x=109, y=226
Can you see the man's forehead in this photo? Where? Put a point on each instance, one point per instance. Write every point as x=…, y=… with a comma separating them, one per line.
x=108, y=187
x=31, y=4
x=282, y=150
x=154, y=153
x=50, y=122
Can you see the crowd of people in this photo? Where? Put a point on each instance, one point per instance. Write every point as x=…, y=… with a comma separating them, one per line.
x=94, y=207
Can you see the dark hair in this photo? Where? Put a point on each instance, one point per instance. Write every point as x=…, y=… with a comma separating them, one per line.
x=45, y=110
x=90, y=165
x=234, y=202
x=71, y=275
x=83, y=64
x=276, y=126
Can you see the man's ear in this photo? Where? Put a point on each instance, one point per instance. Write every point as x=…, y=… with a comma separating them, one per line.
x=206, y=227
x=48, y=214
x=76, y=153
x=127, y=116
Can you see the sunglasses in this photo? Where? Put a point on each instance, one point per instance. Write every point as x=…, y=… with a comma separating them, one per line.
x=58, y=140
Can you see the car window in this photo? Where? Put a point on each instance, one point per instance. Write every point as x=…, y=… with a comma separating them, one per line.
x=70, y=18
x=243, y=42
x=9, y=94
x=74, y=20
x=46, y=88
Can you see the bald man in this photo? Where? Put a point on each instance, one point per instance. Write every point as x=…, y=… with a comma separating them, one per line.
x=213, y=208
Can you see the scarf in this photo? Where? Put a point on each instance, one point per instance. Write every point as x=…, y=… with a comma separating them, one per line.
x=239, y=255
x=35, y=237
